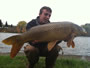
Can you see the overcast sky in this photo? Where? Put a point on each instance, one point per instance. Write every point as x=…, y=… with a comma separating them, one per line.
x=13, y=11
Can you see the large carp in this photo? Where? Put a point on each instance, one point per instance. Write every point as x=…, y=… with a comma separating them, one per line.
x=46, y=33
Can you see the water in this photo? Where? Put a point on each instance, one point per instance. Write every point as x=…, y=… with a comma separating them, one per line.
x=82, y=45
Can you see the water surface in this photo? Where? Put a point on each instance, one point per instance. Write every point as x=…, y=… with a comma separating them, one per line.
x=82, y=45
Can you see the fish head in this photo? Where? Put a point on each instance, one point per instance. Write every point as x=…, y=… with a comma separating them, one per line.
x=82, y=31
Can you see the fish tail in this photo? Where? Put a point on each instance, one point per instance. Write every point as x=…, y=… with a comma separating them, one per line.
x=16, y=42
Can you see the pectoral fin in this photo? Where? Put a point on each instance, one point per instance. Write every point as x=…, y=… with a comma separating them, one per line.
x=68, y=44
x=71, y=43
x=51, y=45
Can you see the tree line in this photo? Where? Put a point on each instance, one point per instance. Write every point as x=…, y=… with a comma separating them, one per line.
x=20, y=27
x=5, y=25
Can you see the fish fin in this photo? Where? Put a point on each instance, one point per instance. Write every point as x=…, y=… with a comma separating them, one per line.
x=68, y=44
x=71, y=43
x=51, y=45
x=16, y=43
x=15, y=49
x=10, y=40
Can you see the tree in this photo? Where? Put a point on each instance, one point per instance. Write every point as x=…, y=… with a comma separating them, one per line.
x=1, y=24
x=11, y=25
x=6, y=24
x=21, y=26
x=87, y=28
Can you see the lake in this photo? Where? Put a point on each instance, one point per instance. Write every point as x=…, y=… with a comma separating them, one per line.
x=82, y=45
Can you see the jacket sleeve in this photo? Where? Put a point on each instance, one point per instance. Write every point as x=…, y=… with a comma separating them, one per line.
x=30, y=24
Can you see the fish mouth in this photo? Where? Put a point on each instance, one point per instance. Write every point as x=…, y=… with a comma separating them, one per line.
x=84, y=31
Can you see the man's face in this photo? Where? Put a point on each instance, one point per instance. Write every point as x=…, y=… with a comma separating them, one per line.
x=45, y=16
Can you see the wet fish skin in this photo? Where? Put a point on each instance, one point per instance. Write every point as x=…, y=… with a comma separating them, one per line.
x=48, y=32
x=45, y=32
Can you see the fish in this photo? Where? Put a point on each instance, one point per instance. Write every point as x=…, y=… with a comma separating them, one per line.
x=51, y=33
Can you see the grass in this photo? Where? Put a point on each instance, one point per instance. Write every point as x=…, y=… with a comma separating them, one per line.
x=17, y=62
x=72, y=63
x=21, y=62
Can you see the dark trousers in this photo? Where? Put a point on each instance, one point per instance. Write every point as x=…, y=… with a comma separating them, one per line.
x=33, y=54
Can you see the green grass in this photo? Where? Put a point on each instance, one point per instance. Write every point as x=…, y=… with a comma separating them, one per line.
x=17, y=62
x=21, y=62
x=72, y=63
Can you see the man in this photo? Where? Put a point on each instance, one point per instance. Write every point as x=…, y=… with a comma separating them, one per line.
x=36, y=48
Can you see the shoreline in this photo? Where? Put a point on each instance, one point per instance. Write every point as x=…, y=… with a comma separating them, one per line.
x=85, y=58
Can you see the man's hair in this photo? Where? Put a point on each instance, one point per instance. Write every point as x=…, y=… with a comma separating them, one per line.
x=45, y=7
